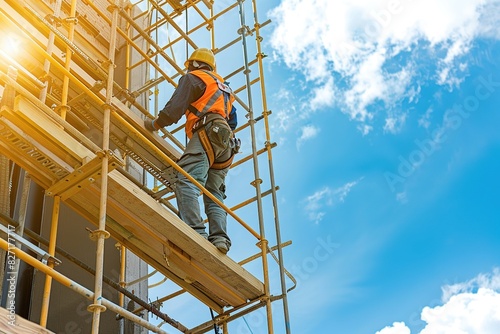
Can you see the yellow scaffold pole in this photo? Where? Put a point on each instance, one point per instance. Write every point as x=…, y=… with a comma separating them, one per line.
x=101, y=234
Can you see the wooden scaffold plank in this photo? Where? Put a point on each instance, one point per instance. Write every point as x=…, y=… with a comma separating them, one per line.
x=11, y=323
x=136, y=219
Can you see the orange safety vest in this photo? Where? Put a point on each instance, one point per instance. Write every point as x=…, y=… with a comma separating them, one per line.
x=218, y=98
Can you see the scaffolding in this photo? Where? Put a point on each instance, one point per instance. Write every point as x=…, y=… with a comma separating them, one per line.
x=74, y=98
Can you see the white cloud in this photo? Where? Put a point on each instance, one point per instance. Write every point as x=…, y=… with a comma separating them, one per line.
x=323, y=95
x=489, y=281
x=489, y=18
x=285, y=117
x=465, y=313
x=472, y=307
x=424, y=121
x=395, y=122
x=342, y=192
x=396, y=328
x=307, y=132
x=315, y=204
x=365, y=129
x=365, y=54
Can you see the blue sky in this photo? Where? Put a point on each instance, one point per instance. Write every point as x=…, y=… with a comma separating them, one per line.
x=386, y=116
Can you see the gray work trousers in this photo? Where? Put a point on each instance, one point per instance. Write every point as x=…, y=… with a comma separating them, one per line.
x=195, y=162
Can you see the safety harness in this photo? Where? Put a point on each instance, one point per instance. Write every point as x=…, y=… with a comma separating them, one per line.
x=207, y=145
x=206, y=117
x=223, y=90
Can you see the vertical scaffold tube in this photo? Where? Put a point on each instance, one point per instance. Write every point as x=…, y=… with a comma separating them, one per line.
x=264, y=243
x=121, y=301
x=101, y=234
x=50, y=48
x=52, y=251
x=212, y=28
x=44, y=312
x=63, y=109
x=128, y=52
x=258, y=39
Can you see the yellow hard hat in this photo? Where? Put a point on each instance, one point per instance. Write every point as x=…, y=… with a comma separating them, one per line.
x=204, y=55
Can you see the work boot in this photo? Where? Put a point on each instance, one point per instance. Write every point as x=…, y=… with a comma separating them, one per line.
x=221, y=246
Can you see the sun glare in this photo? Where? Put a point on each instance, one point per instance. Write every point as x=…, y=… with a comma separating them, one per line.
x=11, y=44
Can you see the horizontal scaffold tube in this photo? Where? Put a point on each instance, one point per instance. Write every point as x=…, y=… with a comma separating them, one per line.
x=6, y=221
x=77, y=287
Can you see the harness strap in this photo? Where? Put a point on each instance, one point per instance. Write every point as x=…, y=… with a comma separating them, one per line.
x=223, y=164
x=207, y=146
x=224, y=90
x=207, y=107
x=205, y=119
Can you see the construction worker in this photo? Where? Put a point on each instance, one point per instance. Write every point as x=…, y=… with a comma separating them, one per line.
x=207, y=101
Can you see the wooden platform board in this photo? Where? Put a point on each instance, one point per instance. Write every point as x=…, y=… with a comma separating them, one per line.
x=134, y=218
x=15, y=324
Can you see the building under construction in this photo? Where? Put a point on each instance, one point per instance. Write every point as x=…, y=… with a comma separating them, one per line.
x=90, y=230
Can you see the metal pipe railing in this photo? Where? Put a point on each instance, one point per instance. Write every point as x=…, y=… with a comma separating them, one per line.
x=150, y=307
x=266, y=113
x=264, y=242
x=77, y=287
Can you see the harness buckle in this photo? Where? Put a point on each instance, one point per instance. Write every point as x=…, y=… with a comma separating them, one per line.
x=200, y=123
x=235, y=144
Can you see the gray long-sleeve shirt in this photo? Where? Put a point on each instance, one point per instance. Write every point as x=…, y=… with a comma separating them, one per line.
x=189, y=90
